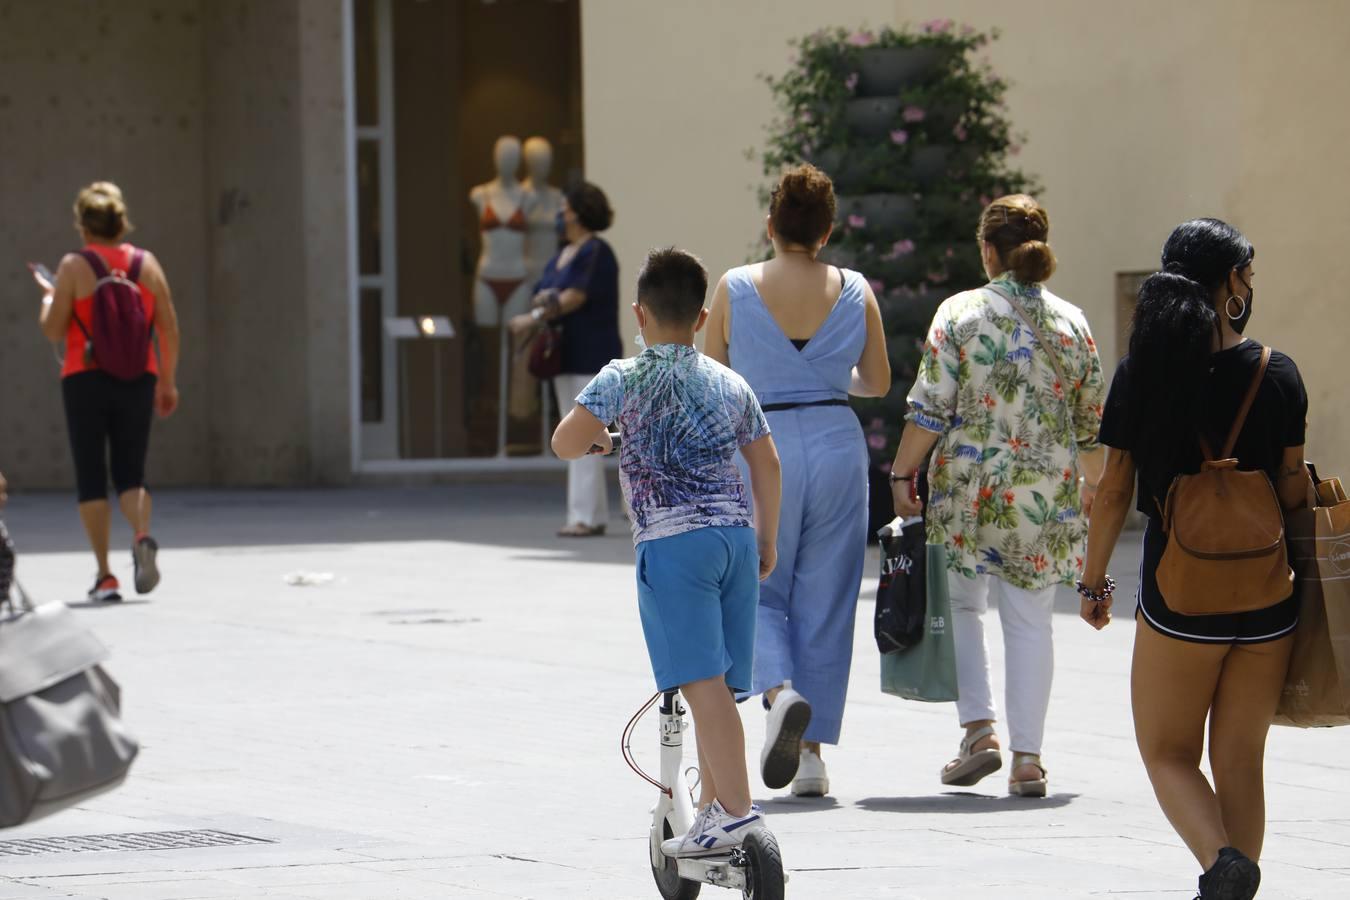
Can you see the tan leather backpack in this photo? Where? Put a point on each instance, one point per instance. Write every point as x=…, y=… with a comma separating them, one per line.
x=1225, y=533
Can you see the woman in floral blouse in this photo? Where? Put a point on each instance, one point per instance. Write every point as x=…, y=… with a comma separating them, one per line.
x=1012, y=439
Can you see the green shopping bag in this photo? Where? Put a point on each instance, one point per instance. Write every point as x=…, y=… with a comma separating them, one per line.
x=927, y=671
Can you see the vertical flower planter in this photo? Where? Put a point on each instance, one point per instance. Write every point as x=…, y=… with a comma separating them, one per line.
x=912, y=129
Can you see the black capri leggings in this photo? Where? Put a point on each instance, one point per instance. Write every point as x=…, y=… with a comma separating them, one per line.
x=108, y=419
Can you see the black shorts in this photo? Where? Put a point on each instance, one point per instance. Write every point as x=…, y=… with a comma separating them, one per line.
x=1256, y=627
x=108, y=421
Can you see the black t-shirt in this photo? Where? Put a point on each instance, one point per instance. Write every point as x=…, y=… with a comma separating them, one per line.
x=1278, y=417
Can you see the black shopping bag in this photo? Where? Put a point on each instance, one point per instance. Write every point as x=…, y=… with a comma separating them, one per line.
x=902, y=598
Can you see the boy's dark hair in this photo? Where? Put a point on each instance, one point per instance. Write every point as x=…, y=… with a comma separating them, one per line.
x=672, y=286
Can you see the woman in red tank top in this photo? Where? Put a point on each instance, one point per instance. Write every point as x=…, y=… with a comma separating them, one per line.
x=109, y=418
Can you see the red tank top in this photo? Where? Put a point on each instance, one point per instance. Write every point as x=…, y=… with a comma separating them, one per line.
x=116, y=258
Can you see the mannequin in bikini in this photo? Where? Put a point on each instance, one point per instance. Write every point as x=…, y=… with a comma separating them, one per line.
x=501, y=283
x=543, y=206
x=500, y=289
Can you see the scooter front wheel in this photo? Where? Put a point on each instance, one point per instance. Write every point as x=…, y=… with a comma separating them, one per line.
x=667, y=875
x=763, y=867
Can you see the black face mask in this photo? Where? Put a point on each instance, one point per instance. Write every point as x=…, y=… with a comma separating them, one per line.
x=1240, y=323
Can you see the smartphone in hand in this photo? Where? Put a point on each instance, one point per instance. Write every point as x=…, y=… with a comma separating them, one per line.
x=42, y=275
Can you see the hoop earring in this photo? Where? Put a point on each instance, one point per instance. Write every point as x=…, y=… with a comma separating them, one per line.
x=1242, y=308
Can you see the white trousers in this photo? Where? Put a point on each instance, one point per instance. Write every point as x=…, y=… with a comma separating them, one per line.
x=587, y=487
x=1029, y=655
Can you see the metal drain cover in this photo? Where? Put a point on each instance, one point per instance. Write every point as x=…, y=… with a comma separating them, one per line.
x=146, y=840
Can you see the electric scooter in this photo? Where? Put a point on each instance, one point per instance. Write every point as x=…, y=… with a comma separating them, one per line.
x=755, y=868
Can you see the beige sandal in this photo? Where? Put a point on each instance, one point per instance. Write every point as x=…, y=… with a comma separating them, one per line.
x=1031, y=787
x=969, y=767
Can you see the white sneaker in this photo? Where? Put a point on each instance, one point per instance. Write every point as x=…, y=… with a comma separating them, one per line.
x=783, y=730
x=715, y=831
x=811, y=780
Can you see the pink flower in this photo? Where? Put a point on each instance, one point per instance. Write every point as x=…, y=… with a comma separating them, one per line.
x=876, y=441
x=967, y=30
x=877, y=286
x=913, y=114
x=792, y=60
x=938, y=26
x=899, y=249
x=851, y=81
x=899, y=136
x=808, y=149
x=805, y=117
x=959, y=132
x=1014, y=149
x=984, y=200
x=950, y=252
x=937, y=277
x=862, y=38
x=857, y=221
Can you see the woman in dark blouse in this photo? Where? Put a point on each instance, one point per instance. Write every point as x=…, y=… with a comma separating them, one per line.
x=1186, y=374
x=579, y=292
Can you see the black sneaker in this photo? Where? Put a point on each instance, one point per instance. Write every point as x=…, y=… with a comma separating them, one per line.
x=1232, y=877
x=105, y=590
x=143, y=558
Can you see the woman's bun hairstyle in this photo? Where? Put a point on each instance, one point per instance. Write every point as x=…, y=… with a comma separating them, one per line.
x=801, y=207
x=1018, y=228
x=101, y=211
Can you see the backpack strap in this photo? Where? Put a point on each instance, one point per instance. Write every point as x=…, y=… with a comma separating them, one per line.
x=134, y=270
x=96, y=263
x=1246, y=407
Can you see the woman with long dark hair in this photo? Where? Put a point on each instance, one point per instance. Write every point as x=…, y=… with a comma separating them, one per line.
x=1185, y=377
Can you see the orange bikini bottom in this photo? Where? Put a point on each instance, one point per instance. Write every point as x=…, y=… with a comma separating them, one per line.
x=502, y=288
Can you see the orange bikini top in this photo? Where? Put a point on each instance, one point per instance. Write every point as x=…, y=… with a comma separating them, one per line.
x=490, y=222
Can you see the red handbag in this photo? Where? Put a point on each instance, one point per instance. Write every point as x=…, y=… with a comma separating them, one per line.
x=546, y=353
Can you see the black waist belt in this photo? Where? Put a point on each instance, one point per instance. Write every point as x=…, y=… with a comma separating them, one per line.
x=779, y=407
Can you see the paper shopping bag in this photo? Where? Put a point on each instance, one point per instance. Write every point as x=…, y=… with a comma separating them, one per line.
x=927, y=670
x=1317, y=688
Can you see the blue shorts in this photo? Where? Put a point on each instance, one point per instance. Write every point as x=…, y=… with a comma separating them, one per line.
x=698, y=593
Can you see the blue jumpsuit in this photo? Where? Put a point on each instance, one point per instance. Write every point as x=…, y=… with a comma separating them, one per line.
x=807, y=606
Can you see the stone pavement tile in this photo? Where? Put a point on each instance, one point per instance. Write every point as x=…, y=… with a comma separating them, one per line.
x=19, y=890
x=296, y=875
x=182, y=889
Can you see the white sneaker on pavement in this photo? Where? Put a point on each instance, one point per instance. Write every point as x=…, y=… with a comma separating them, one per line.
x=812, y=779
x=715, y=831
x=783, y=730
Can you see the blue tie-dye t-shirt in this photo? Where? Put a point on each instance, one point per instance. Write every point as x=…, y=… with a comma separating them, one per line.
x=682, y=416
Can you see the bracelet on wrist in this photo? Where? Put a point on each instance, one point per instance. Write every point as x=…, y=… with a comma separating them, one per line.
x=537, y=313
x=1100, y=596
x=894, y=477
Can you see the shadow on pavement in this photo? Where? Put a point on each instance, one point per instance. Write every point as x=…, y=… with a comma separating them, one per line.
x=962, y=802
x=523, y=514
x=787, y=805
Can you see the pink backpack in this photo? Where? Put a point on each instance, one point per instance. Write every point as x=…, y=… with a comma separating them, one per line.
x=118, y=337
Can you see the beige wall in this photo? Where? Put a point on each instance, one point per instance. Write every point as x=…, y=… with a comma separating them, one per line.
x=1139, y=115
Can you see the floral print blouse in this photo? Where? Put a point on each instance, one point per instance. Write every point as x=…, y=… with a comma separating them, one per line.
x=1003, y=477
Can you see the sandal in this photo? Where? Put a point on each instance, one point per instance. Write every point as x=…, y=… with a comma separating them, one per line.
x=969, y=767
x=578, y=530
x=1030, y=787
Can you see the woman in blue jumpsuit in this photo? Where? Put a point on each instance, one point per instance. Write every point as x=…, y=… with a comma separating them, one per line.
x=806, y=335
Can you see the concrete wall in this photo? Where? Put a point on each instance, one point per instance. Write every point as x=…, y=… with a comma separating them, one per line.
x=203, y=112
x=1138, y=115
x=94, y=91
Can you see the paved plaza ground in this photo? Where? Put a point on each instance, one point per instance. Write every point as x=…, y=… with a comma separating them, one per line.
x=442, y=720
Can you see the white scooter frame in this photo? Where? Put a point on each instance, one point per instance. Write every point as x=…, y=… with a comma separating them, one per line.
x=755, y=868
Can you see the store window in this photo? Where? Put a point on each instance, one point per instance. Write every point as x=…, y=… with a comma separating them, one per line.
x=435, y=86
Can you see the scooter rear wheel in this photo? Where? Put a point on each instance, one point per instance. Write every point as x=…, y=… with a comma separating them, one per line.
x=668, y=880
x=763, y=867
